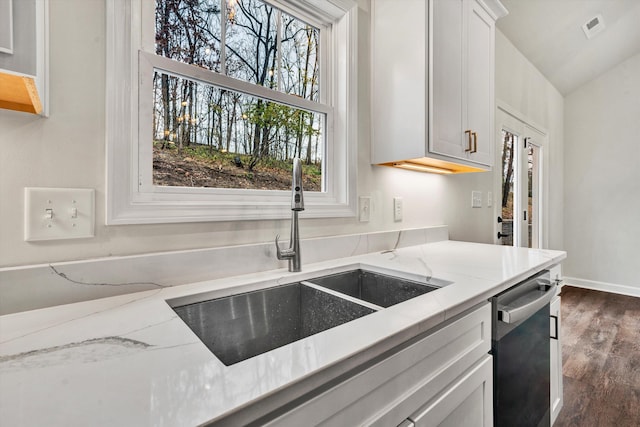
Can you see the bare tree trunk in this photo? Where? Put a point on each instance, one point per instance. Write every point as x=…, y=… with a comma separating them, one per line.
x=219, y=132
x=210, y=120
x=508, y=150
x=231, y=123
x=310, y=135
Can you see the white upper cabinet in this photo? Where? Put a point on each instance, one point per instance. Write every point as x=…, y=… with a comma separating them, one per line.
x=24, y=55
x=433, y=83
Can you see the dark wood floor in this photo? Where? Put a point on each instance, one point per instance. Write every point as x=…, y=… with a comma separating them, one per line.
x=601, y=359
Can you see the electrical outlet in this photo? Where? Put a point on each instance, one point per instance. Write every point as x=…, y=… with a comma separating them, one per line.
x=397, y=209
x=476, y=199
x=364, y=208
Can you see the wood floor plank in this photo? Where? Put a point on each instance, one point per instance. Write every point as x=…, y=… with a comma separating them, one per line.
x=577, y=396
x=601, y=359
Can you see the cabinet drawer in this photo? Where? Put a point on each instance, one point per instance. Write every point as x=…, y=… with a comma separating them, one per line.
x=468, y=402
x=387, y=392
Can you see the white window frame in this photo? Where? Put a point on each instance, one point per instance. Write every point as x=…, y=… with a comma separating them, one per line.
x=130, y=61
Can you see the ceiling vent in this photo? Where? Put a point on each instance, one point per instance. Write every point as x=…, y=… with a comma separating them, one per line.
x=593, y=26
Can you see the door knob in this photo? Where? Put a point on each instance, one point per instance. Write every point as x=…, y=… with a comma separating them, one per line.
x=500, y=235
x=499, y=220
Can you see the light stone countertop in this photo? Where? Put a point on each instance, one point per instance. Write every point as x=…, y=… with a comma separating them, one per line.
x=130, y=360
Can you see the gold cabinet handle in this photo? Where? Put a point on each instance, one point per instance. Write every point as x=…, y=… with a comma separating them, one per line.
x=468, y=133
x=475, y=142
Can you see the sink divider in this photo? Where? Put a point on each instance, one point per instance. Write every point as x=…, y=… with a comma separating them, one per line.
x=341, y=295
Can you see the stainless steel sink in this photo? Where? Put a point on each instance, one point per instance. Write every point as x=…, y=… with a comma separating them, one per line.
x=245, y=325
x=241, y=326
x=375, y=288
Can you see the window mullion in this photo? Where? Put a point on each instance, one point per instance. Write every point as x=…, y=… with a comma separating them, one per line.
x=279, y=50
x=223, y=37
x=193, y=72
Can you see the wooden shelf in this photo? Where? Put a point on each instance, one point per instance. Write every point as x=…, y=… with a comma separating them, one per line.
x=19, y=93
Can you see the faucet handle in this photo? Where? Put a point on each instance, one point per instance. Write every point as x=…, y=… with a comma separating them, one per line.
x=283, y=253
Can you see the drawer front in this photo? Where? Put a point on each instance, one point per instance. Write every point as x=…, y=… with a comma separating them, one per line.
x=468, y=402
x=387, y=392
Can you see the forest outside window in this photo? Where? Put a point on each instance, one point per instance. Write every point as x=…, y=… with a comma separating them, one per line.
x=207, y=135
x=227, y=93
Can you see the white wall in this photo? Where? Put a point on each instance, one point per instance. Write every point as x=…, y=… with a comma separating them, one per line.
x=602, y=180
x=522, y=87
x=68, y=150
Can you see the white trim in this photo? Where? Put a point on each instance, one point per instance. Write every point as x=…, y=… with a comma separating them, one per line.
x=42, y=47
x=128, y=202
x=494, y=8
x=515, y=113
x=632, y=291
x=328, y=10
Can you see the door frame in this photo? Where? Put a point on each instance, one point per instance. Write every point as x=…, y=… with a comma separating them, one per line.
x=511, y=119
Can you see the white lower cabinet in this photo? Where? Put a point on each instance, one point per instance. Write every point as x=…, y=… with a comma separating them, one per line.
x=556, y=360
x=440, y=378
x=468, y=402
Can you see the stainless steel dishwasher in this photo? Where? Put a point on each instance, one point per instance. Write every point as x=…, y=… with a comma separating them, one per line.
x=521, y=354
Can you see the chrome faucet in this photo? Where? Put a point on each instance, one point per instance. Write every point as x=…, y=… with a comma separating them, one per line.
x=297, y=204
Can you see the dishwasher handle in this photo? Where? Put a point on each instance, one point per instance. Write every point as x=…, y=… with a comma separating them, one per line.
x=510, y=314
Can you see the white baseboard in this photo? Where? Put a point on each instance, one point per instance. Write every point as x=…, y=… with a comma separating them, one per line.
x=633, y=291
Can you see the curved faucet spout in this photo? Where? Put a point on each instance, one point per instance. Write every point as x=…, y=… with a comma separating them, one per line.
x=283, y=254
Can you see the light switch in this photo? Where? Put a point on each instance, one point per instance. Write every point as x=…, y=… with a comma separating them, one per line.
x=58, y=213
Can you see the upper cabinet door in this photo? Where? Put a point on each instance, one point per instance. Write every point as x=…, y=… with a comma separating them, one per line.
x=6, y=26
x=447, y=64
x=480, y=82
x=399, y=73
x=463, y=70
x=23, y=55
x=454, y=134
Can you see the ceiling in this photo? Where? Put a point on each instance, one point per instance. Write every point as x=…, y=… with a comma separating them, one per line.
x=549, y=33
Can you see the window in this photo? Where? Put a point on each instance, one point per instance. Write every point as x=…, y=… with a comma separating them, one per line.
x=208, y=101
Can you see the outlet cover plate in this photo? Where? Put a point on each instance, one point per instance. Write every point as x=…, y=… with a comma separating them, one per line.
x=364, y=208
x=476, y=199
x=397, y=209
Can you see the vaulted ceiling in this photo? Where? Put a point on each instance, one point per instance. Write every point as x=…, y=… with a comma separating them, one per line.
x=549, y=33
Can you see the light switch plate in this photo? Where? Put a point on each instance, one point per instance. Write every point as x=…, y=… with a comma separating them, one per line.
x=58, y=213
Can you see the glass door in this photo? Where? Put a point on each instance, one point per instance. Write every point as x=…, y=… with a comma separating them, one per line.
x=508, y=189
x=519, y=196
x=532, y=212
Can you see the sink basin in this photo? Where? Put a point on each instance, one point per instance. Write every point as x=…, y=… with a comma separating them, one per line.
x=241, y=326
x=375, y=288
